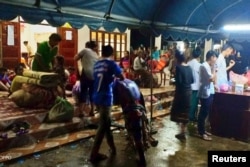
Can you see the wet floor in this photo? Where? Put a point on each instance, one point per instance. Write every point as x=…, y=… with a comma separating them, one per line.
x=170, y=152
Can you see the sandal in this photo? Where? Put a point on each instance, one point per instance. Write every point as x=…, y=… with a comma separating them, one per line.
x=206, y=137
x=181, y=136
x=98, y=157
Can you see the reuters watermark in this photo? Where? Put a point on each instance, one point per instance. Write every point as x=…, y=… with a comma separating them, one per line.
x=228, y=158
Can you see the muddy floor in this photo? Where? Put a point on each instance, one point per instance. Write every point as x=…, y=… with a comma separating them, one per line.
x=170, y=152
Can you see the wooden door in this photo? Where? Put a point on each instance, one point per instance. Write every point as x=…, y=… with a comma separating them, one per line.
x=10, y=44
x=68, y=45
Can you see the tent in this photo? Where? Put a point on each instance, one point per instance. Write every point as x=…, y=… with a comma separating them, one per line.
x=172, y=18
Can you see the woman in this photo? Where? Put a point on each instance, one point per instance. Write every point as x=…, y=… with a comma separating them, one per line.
x=182, y=98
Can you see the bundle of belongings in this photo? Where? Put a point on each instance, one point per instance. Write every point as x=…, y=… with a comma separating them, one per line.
x=40, y=90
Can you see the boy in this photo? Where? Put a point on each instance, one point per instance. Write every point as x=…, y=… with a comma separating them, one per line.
x=104, y=72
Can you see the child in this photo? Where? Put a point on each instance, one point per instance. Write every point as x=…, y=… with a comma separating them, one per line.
x=71, y=79
x=104, y=72
x=4, y=79
x=59, y=69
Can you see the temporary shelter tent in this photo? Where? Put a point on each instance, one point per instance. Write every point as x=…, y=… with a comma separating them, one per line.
x=176, y=18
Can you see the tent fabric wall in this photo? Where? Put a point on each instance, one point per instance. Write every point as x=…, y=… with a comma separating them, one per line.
x=175, y=18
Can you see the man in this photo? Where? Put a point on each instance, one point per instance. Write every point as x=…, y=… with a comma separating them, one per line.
x=140, y=68
x=221, y=77
x=46, y=52
x=195, y=66
x=29, y=51
x=188, y=51
x=206, y=91
x=88, y=57
x=104, y=72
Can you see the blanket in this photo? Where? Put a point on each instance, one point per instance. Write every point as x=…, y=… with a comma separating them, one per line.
x=44, y=77
x=19, y=80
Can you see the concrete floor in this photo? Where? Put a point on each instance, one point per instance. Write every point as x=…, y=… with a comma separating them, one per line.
x=170, y=152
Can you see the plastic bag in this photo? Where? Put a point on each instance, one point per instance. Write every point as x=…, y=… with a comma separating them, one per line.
x=237, y=78
x=62, y=111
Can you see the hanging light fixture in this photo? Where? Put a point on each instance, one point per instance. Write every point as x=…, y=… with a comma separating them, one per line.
x=237, y=27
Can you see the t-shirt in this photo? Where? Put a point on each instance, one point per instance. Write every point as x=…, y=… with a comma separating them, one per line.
x=156, y=55
x=88, y=59
x=184, y=78
x=221, y=71
x=139, y=64
x=104, y=71
x=195, y=66
x=47, y=55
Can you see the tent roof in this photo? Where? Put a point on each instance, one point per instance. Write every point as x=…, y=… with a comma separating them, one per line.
x=176, y=18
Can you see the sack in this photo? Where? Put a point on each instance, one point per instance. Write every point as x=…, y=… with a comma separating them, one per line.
x=24, y=99
x=62, y=111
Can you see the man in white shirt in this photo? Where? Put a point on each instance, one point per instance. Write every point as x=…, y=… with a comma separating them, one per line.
x=195, y=66
x=206, y=91
x=221, y=77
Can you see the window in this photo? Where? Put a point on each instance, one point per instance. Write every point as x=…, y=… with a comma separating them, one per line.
x=117, y=40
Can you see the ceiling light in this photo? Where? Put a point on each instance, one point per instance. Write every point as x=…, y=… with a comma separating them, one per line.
x=237, y=27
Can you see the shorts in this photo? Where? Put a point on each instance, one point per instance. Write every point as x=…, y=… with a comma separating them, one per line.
x=87, y=89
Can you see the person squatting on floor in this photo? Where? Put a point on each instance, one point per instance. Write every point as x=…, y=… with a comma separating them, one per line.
x=182, y=98
x=206, y=92
x=129, y=97
x=104, y=70
x=134, y=115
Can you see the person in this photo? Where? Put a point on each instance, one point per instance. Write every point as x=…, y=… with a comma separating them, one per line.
x=59, y=69
x=194, y=63
x=23, y=61
x=188, y=51
x=140, y=68
x=88, y=58
x=46, y=52
x=29, y=51
x=156, y=54
x=104, y=70
x=5, y=81
x=206, y=91
x=71, y=79
x=125, y=60
x=221, y=77
x=182, y=97
x=125, y=64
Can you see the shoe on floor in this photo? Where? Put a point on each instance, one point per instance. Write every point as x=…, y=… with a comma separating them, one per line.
x=112, y=151
x=181, y=136
x=206, y=137
x=208, y=133
x=98, y=157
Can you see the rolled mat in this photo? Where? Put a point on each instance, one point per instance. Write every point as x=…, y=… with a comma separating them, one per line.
x=19, y=80
x=44, y=77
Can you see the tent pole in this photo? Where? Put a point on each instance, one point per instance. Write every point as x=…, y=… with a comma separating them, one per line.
x=151, y=80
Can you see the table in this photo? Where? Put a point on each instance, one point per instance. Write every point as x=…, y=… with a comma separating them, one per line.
x=230, y=115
